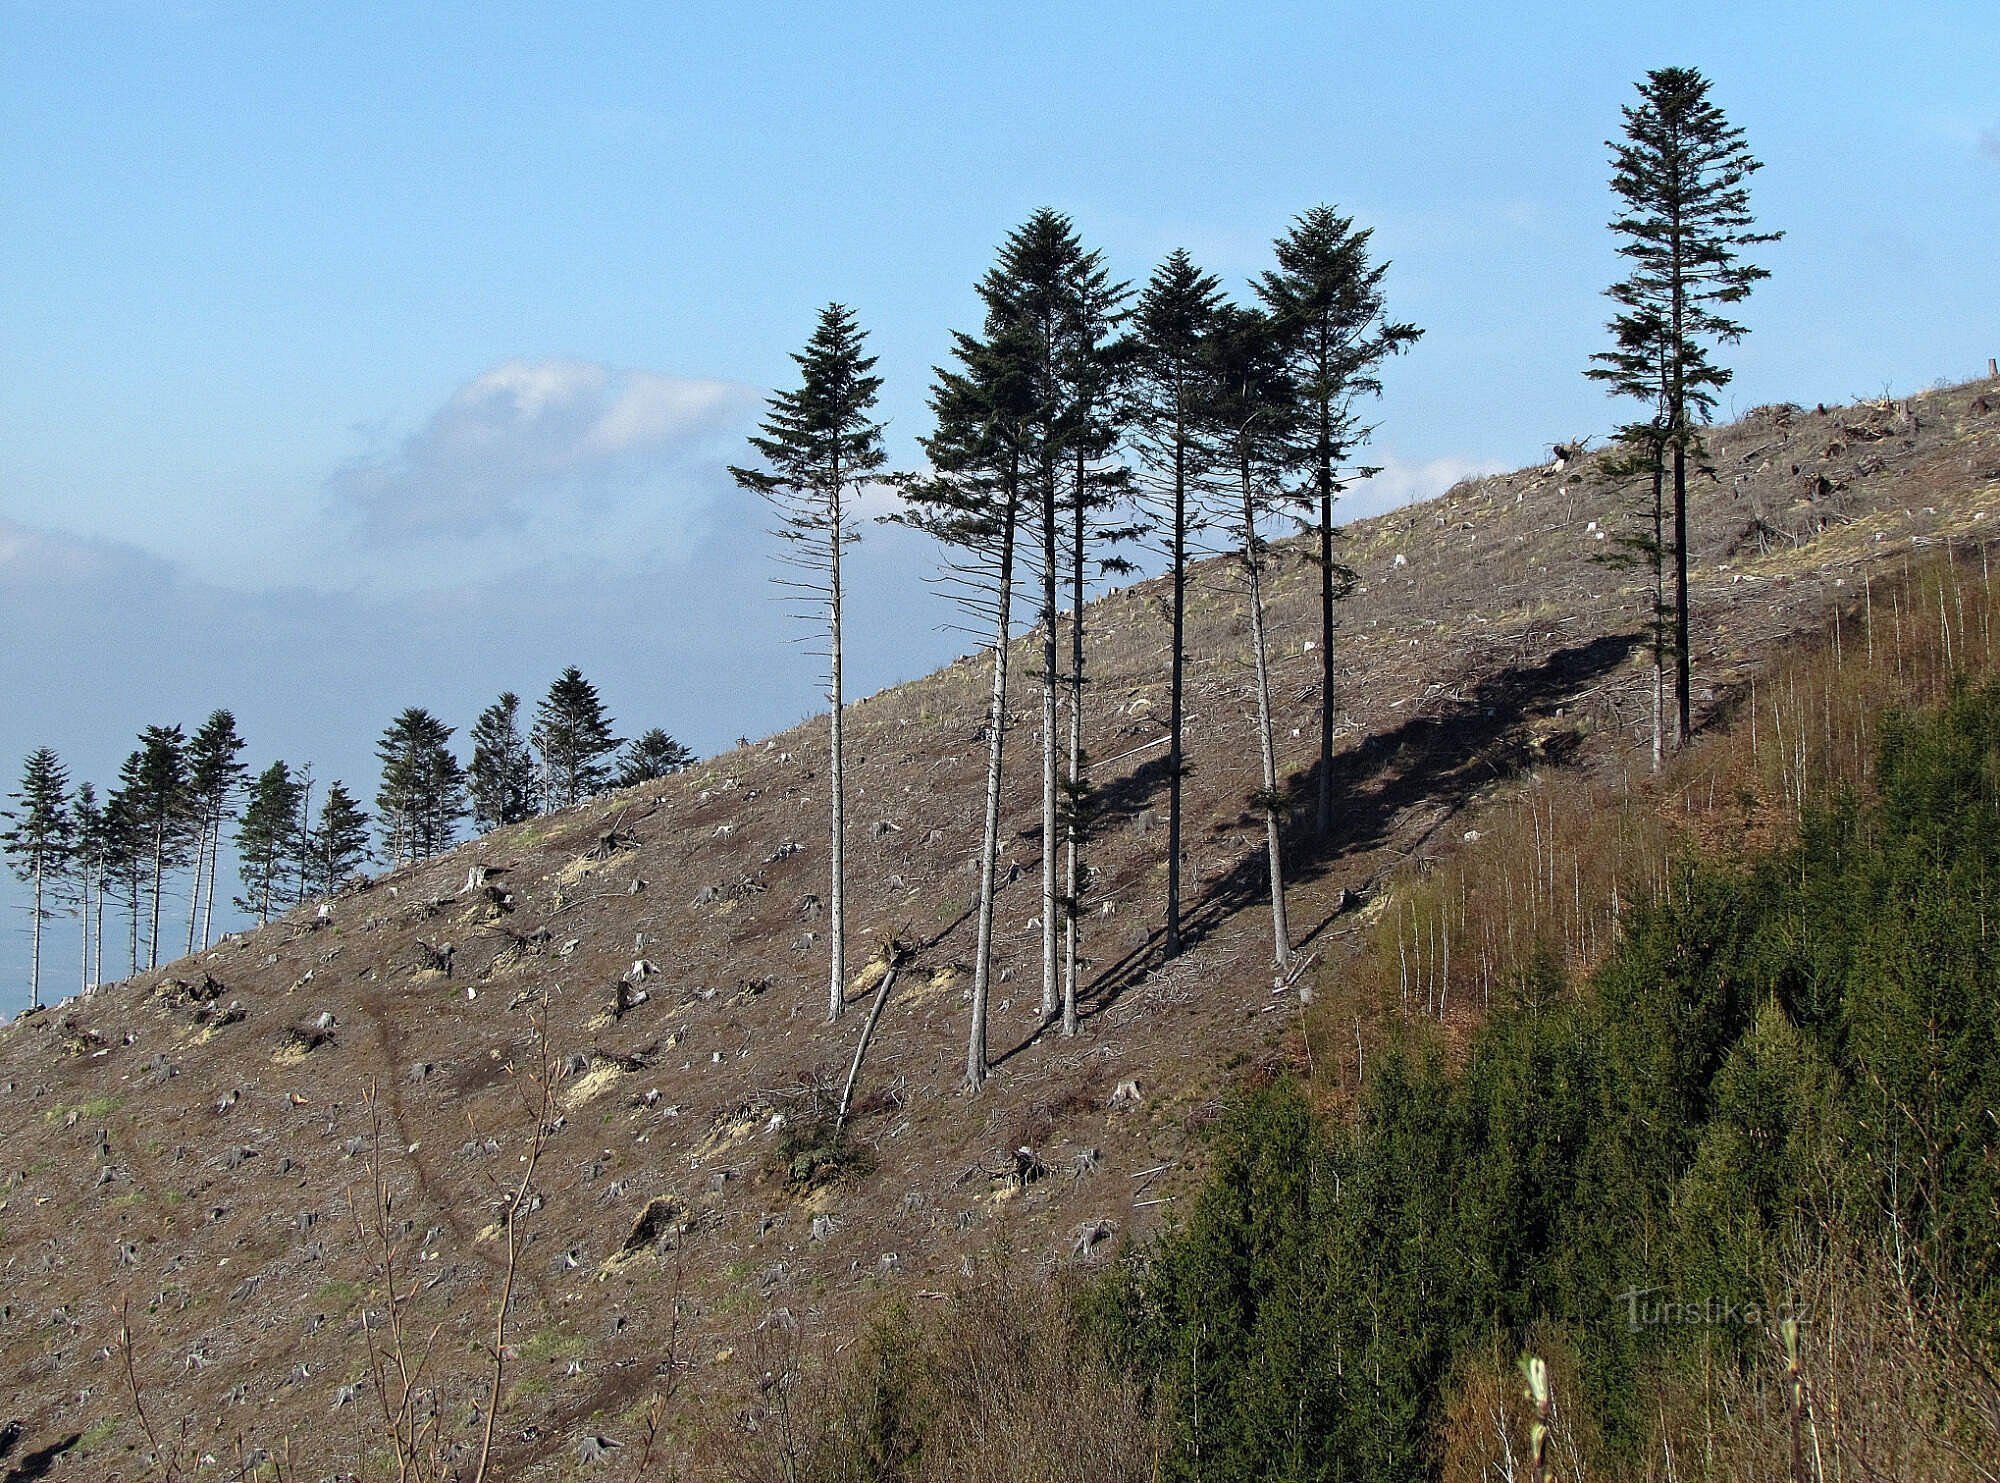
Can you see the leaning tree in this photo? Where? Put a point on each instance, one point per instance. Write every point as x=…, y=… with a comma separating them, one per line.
x=1681, y=175
x=822, y=447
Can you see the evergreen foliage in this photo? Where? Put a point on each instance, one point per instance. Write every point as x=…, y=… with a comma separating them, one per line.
x=422, y=796
x=339, y=843
x=215, y=774
x=573, y=740
x=1796, y=1053
x=1327, y=307
x=501, y=779
x=38, y=840
x=266, y=839
x=1681, y=177
x=1168, y=388
x=651, y=755
x=90, y=867
x=822, y=446
x=153, y=784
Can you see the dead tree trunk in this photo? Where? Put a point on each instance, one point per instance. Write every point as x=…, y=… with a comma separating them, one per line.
x=894, y=960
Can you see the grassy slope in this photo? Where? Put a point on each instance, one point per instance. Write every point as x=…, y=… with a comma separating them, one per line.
x=1498, y=643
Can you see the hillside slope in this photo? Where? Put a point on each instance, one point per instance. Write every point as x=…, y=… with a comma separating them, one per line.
x=189, y=1141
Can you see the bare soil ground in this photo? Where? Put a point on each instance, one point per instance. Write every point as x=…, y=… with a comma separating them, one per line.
x=188, y=1141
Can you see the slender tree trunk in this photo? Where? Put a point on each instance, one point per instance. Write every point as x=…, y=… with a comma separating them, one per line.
x=208, y=901
x=1659, y=612
x=132, y=910
x=1253, y=564
x=1073, y=848
x=97, y=959
x=989, y=849
x=1177, y=670
x=83, y=930
x=1323, y=817
x=1682, y=650
x=867, y=1034
x=196, y=879
x=35, y=939
x=1051, y=681
x=159, y=884
x=837, y=887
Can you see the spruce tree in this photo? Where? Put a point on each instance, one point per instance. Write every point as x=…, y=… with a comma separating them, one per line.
x=651, y=755
x=215, y=773
x=1681, y=175
x=821, y=446
x=422, y=796
x=1098, y=495
x=1169, y=386
x=972, y=501
x=1256, y=411
x=573, y=739
x=154, y=785
x=265, y=839
x=339, y=845
x=501, y=779
x=126, y=856
x=1037, y=287
x=37, y=843
x=1327, y=308
x=88, y=864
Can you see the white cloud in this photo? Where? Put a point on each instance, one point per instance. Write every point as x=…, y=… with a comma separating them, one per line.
x=1404, y=482
x=35, y=561
x=529, y=435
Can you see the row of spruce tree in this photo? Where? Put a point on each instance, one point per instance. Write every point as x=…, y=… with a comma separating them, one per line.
x=182, y=798
x=1083, y=414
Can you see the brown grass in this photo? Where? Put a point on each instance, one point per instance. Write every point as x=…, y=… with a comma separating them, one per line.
x=1547, y=872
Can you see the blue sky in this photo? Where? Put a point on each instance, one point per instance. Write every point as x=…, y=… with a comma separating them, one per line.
x=360, y=356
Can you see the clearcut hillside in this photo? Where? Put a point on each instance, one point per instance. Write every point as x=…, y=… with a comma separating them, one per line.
x=192, y=1143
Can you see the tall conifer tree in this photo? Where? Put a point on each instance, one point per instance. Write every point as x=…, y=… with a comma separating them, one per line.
x=339, y=844
x=1170, y=386
x=1326, y=305
x=154, y=785
x=821, y=446
x=265, y=839
x=1255, y=413
x=37, y=841
x=422, y=796
x=1681, y=175
x=573, y=739
x=501, y=779
x=972, y=501
x=215, y=773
